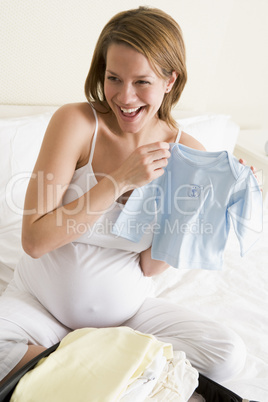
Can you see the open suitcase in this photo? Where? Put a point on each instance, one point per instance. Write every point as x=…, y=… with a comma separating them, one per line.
x=210, y=390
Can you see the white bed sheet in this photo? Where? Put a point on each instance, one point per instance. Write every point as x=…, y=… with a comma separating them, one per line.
x=237, y=295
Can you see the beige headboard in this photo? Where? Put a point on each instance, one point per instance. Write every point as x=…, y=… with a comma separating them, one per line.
x=46, y=48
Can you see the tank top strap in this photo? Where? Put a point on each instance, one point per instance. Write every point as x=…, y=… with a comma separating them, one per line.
x=178, y=135
x=94, y=135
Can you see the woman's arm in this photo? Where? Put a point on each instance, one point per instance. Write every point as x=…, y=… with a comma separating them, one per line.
x=45, y=220
x=149, y=266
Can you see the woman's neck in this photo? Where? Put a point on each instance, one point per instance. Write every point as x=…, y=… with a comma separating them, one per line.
x=155, y=130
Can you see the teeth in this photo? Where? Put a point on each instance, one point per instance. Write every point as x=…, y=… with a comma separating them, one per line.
x=129, y=110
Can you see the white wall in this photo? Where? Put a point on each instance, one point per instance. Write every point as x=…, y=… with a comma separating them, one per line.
x=46, y=47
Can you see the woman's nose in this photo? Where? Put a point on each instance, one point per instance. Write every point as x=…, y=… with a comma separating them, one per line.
x=127, y=94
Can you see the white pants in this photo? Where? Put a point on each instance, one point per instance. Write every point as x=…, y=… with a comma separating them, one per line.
x=213, y=349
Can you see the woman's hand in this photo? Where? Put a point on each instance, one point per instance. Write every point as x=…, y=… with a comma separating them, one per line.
x=243, y=162
x=254, y=170
x=145, y=164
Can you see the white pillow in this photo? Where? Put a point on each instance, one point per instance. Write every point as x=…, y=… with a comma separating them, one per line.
x=215, y=132
x=20, y=141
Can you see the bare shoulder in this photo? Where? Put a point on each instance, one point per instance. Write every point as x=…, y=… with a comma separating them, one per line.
x=78, y=115
x=72, y=127
x=191, y=142
x=67, y=137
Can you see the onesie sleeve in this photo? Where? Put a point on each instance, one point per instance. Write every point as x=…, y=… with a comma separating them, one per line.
x=245, y=210
x=139, y=211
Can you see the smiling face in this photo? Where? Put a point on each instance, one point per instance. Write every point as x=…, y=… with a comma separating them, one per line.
x=132, y=89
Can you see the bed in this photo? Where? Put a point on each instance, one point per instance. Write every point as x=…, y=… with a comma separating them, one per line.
x=237, y=295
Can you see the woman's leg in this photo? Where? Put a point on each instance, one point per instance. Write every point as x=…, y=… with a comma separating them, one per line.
x=33, y=351
x=24, y=323
x=213, y=349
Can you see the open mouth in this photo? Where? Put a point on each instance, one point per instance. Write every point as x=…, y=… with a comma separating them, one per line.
x=130, y=113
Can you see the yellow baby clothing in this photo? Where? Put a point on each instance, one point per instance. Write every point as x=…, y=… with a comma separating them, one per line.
x=95, y=365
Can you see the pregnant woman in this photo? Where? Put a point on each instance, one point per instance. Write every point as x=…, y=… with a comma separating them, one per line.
x=75, y=273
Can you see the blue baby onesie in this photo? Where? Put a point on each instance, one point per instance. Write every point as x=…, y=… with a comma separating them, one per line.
x=189, y=208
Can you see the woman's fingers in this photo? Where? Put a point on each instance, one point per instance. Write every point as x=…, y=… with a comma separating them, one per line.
x=145, y=164
x=155, y=146
x=159, y=155
x=253, y=168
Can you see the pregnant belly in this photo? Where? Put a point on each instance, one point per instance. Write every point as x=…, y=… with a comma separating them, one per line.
x=87, y=286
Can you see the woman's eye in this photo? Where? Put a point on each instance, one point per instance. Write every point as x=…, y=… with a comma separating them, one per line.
x=111, y=78
x=143, y=82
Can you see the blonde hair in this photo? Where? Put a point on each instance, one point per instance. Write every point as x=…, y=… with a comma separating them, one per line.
x=154, y=34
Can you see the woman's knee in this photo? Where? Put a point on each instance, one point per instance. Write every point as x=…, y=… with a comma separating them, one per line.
x=232, y=357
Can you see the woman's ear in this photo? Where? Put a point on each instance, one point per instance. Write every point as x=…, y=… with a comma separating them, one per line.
x=171, y=81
